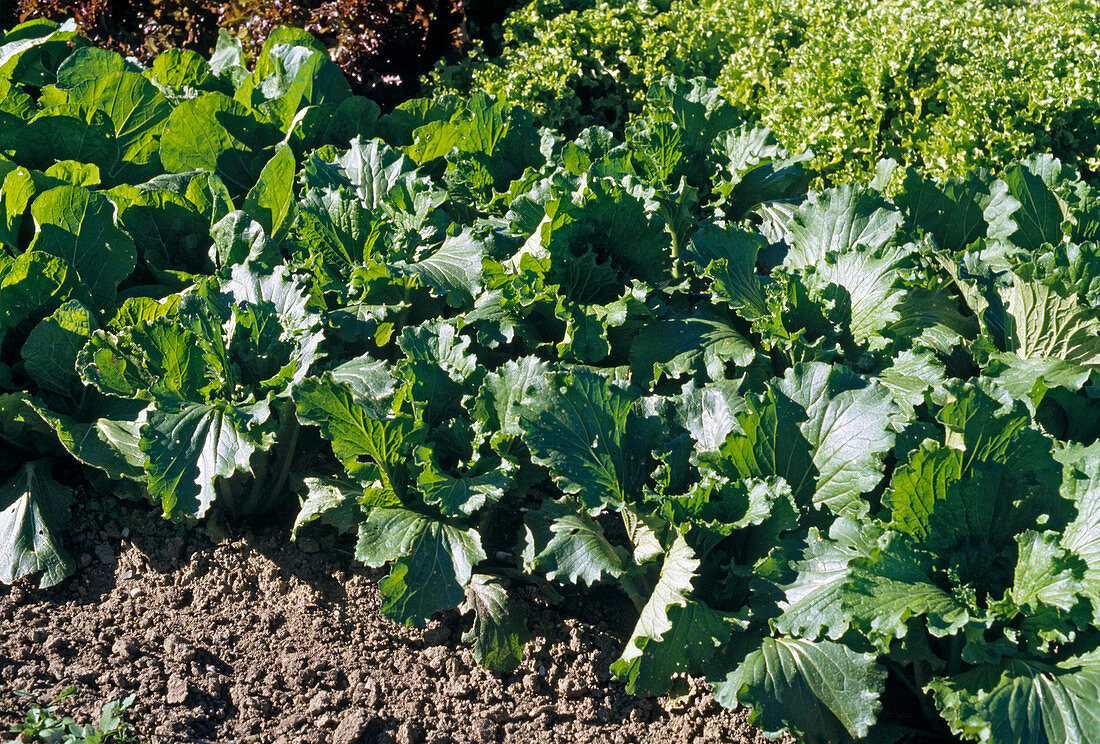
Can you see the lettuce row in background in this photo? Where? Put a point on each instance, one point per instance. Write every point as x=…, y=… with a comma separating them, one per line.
x=941, y=85
x=838, y=448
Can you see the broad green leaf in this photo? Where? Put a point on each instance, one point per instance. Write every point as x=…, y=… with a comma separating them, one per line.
x=190, y=446
x=284, y=47
x=371, y=381
x=293, y=72
x=77, y=174
x=1009, y=478
x=813, y=602
x=15, y=196
x=766, y=440
x=438, y=343
x=676, y=633
x=32, y=51
x=824, y=430
x=431, y=562
x=988, y=429
x=271, y=200
x=134, y=310
x=109, y=443
x=215, y=133
x=369, y=448
x=504, y=393
x=227, y=61
x=68, y=132
x=727, y=256
x=90, y=63
x=720, y=506
x=987, y=509
x=34, y=508
x=234, y=340
x=499, y=633
x=1046, y=572
x=1074, y=268
x=16, y=108
x=919, y=484
x=1039, y=217
x=238, y=239
x=204, y=190
x=441, y=369
x=462, y=495
x=709, y=413
x=932, y=319
x=868, y=292
x=894, y=584
x=1030, y=379
x=695, y=106
x=78, y=226
x=754, y=171
x=170, y=233
x=374, y=169
x=50, y=351
x=821, y=690
x=496, y=142
x=1081, y=485
x=340, y=234
x=649, y=665
x=453, y=271
x=699, y=345
x=585, y=340
x=583, y=431
x=182, y=73
x=138, y=112
x=660, y=148
x=838, y=220
x=912, y=375
x=433, y=141
x=289, y=300
x=1045, y=324
x=1024, y=700
x=354, y=117
x=150, y=359
x=952, y=210
x=32, y=287
x=565, y=544
x=999, y=211
x=614, y=226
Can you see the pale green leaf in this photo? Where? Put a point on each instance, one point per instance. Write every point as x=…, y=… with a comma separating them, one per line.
x=821, y=690
x=34, y=508
x=190, y=446
x=499, y=633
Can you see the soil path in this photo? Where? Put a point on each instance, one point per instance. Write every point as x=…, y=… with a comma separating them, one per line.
x=256, y=639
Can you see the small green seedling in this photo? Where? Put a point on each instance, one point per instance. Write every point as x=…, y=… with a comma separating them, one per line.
x=49, y=725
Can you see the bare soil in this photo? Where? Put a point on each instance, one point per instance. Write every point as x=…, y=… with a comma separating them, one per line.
x=256, y=639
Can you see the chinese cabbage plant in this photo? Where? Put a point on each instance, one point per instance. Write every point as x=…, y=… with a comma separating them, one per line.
x=838, y=449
